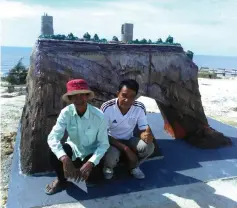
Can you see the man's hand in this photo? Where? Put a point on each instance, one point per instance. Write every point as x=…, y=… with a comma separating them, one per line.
x=69, y=170
x=132, y=157
x=147, y=135
x=86, y=170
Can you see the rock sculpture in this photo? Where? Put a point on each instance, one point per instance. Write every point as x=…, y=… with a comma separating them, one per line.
x=164, y=73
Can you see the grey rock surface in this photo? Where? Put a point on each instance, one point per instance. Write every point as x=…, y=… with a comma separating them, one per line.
x=164, y=73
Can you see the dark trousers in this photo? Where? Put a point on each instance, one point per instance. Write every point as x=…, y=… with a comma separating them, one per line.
x=95, y=175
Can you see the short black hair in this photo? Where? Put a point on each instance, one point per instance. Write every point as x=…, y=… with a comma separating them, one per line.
x=129, y=83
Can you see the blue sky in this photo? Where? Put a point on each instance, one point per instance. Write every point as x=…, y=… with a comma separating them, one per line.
x=204, y=26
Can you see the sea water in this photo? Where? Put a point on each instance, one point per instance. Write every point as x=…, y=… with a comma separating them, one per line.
x=11, y=55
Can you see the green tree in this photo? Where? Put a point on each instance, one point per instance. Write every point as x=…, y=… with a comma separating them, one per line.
x=143, y=41
x=159, y=41
x=115, y=38
x=71, y=37
x=61, y=37
x=87, y=36
x=136, y=41
x=169, y=39
x=96, y=38
x=190, y=54
x=149, y=41
x=103, y=40
x=17, y=75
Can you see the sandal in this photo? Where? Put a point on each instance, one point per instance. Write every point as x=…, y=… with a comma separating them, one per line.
x=54, y=187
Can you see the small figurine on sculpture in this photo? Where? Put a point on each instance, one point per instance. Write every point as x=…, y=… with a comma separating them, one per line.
x=80, y=157
x=123, y=114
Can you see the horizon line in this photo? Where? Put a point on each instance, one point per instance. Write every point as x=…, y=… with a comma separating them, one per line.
x=193, y=54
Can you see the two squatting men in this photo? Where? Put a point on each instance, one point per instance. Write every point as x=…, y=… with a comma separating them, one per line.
x=97, y=138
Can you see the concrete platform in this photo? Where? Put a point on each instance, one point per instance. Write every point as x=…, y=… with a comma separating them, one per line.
x=205, y=180
x=186, y=177
x=180, y=176
x=215, y=194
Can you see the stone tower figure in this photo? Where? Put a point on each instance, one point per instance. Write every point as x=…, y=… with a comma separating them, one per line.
x=47, y=25
x=127, y=32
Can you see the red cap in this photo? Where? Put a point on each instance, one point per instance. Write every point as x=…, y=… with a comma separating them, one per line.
x=77, y=86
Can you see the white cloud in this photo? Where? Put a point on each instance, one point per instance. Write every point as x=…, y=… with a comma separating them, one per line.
x=206, y=27
x=10, y=10
x=102, y=13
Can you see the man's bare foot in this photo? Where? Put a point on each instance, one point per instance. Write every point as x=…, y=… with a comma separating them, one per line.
x=54, y=187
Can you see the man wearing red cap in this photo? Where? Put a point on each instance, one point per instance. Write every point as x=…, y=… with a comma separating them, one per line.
x=79, y=158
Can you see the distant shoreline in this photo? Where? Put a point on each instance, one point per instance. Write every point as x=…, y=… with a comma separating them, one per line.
x=31, y=47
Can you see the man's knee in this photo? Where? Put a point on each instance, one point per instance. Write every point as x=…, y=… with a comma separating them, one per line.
x=144, y=149
x=67, y=149
x=112, y=157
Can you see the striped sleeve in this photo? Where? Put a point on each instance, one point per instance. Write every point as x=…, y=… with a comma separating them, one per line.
x=142, y=119
x=141, y=105
x=107, y=104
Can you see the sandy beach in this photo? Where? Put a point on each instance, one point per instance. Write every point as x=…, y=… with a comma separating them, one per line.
x=11, y=110
x=219, y=99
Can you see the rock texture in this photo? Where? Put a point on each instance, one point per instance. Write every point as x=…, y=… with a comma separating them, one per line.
x=164, y=73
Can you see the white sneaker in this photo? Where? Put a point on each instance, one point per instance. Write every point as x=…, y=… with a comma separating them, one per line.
x=108, y=173
x=137, y=173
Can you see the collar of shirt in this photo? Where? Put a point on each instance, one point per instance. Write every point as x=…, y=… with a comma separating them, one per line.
x=86, y=114
x=123, y=115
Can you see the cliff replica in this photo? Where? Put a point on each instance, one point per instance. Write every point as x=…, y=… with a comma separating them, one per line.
x=164, y=73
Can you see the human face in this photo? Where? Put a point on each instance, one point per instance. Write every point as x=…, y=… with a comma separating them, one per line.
x=126, y=98
x=80, y=100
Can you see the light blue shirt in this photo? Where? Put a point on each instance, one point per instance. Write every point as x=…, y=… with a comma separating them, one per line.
x=86, y=135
